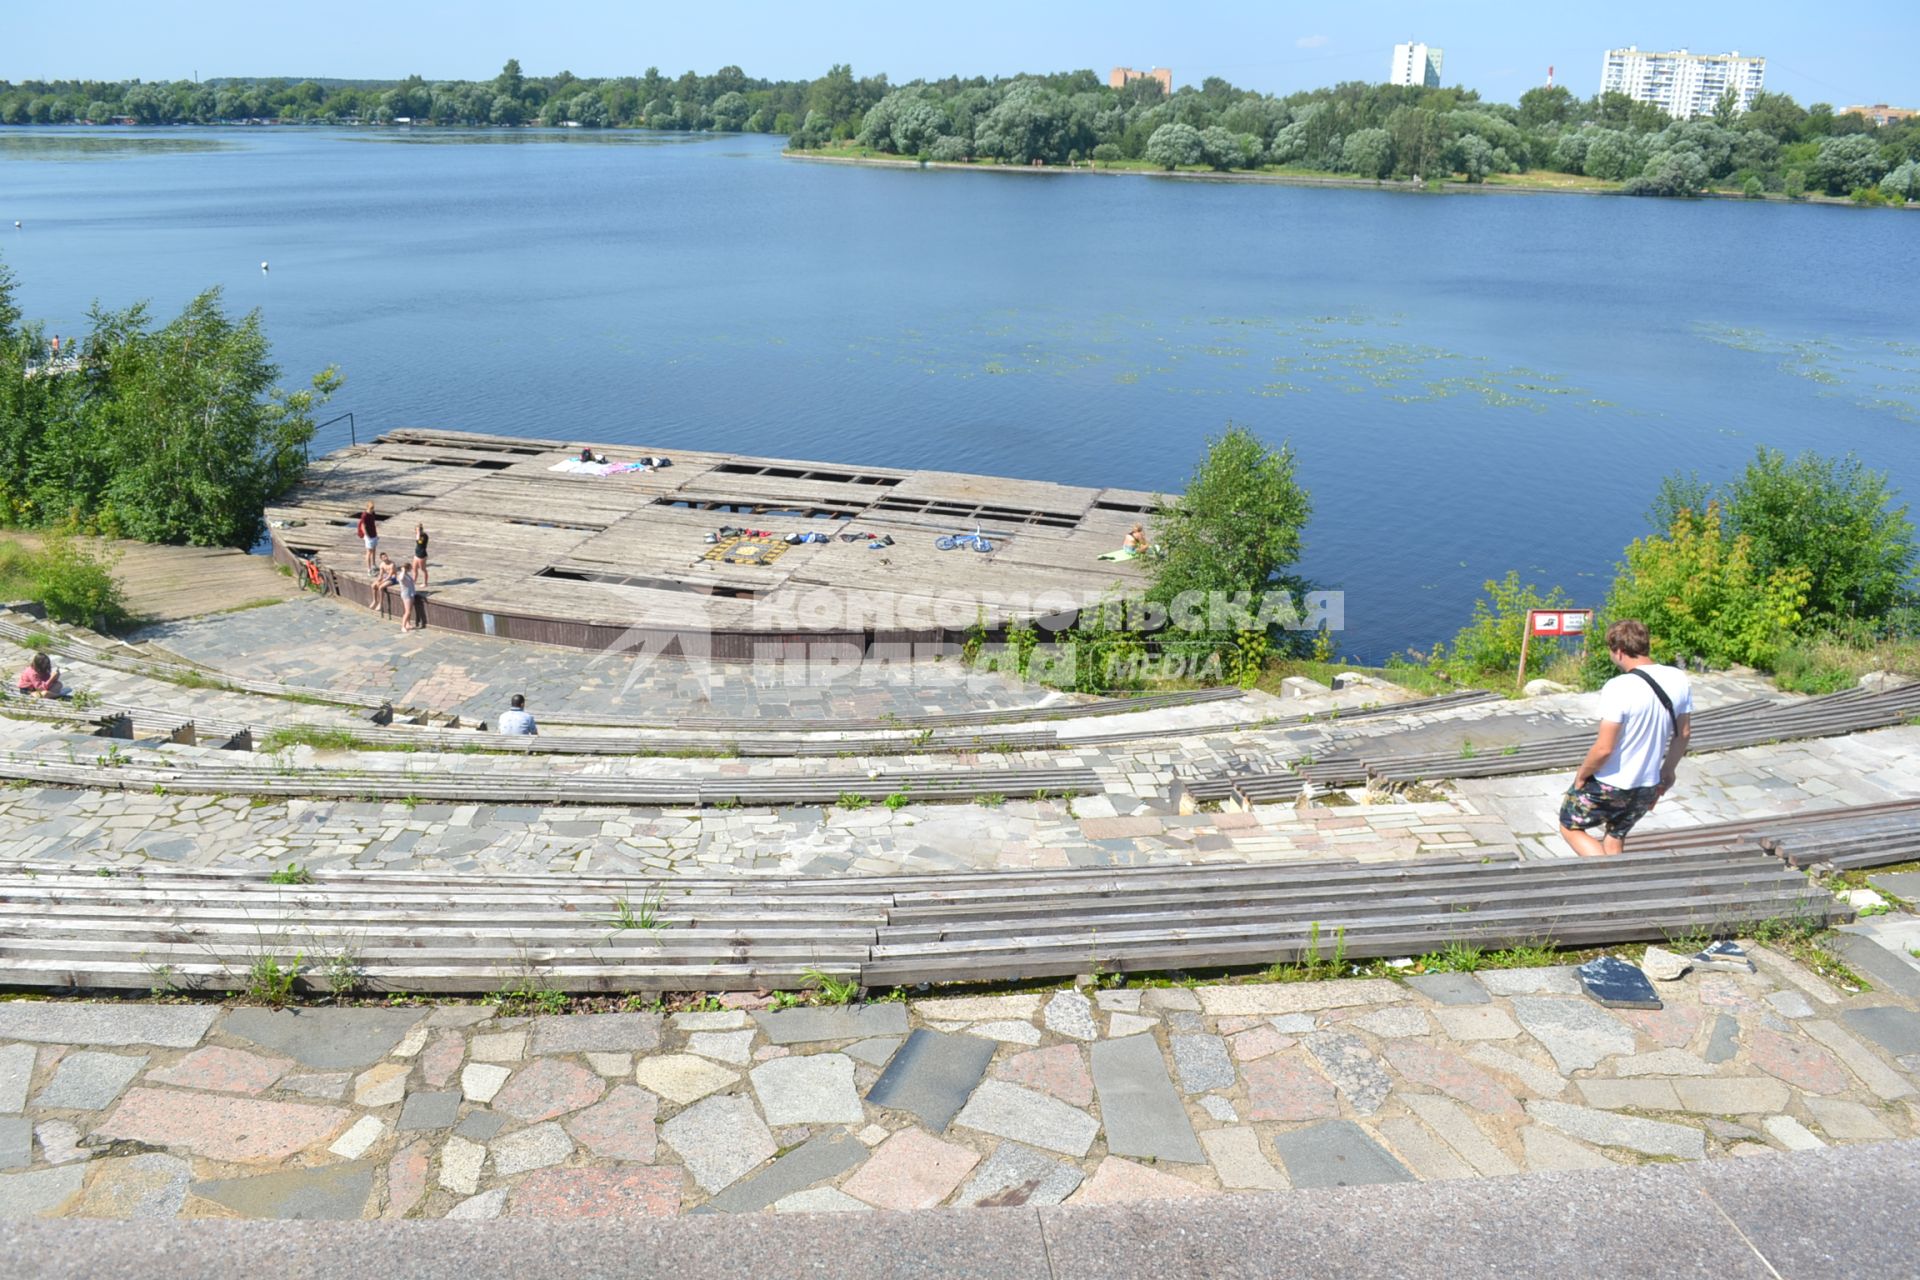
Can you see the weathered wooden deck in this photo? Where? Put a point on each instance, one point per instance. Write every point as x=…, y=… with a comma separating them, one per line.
x=165, y=584
x=523, y=551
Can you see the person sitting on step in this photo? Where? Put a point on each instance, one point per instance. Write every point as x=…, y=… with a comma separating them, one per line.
x=40, y=680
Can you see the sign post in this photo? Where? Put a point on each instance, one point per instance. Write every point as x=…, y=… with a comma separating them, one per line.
x=1556, y=624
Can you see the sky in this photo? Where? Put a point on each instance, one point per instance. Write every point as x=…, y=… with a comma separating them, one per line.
x=1860, y=51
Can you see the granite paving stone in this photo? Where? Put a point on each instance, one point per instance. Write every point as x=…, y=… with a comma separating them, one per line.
x=538, y=1147
x=1893, y=1028
x=1443, y=1069
x=429, y=1110
x=1221, y=1109
x=1738, y=1096
x=976, y=1008
x=1008, y=1032
x=719, y=1139
x=1015, y=1175
x=841, y=1022
x=1139, y=1109
x=1844, y=1121
x=330, y=1085
x=498, y=1046
x=223, y=1070
x=1672, y=1027
x=1457, y=1127
x=822, y=1157
x=810, y=1089
x=598, y=1193
x=89, y=1081
x=442, y=1057
x=484, y=1207
x=481, y=1081
x=381, y=1085
x=334, y=1193
x=1546, y=1150
x=1337, y=1153
x=1804, y=1066
x=1421, y=1150
x=1791, y=1134
x=1662, y=1062
x=1724, y=1041
x=1609, y=1129
x=1879, y=1078
x=1477, y=1022
x=620, y=1126
x=708, y=1020
x=151, y=1186
x=358, y=1139
x=611, y=1065
x=1127, y=1024
x=1553, y=980
x=1790, y=1004
x=16, y=1142
x=735, y=1047
x=1297, y=997
x=480, y=1126
x=1202, y=1062
x=1350, y=1064
x=1630, y=1095
x=1396, y=1021
x=1580, y=1035
x=1885, y=969
x=600, y=1032
x=1009, y=1111
x=1450, y=988
x=407, y=1179
x=1284, y=1088
x=933, y=1073
x=911, y=1170
x=242, y=1130
x=59, y=1142
x=1177, y=998
x=323, y=1037
x=1119, y=1181
x=16, y=1074
x=1070, y=1014
x=876, y=1052
x=682, y=1077
x=820, y=1200
x=39, y=1193
x=548, y=1088
x=460, y=1164
x=1060, y=1070
x=1236, y=1156
x=105, y=1025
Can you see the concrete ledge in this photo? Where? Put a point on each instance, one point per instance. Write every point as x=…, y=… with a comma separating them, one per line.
x=1841, y=1212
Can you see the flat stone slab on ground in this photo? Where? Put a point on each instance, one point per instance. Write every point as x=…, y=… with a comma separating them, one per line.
x=106, y=1025
x=682, y=1077
x=16, y=1142
x=1238, y=1159
x=1202, y=1062
x=39, y=1193
x=1015, y=1175
x=1350, y=1064
x=1579, y=1034
x=89, y=1081
x=1336, y=1153
x=1142, y=1113
x=848, y=1022
x=823, y=1156
x=150, y=1186
x=911, y=1170
x=719, y=1140
x=808, y=1089
x=1880, y=966
x=1894, y=1029
x=1901, y=884
x=1299, y=997
x=1119, y=1181
x=1009, y=1111
x=429, y=1111
x=336, y=1193
x=1606, y=1129
x=598, y=1193
x=597, y=1032
x=1450, y=988
x=539, y=1147
x=932, y=1075
x=241, y=1130
x=324, y=1037
x=619, y=1126
x=16, y=1073
x=1551, y=980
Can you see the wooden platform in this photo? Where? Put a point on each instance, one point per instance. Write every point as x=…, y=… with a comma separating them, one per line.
x=523, y=551
x=166, y=584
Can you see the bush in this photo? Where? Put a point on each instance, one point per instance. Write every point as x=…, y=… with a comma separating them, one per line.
x=69, y=582
x=1490, y=643
x=1833, y=518
x=1106, y=153
x=1703, y=594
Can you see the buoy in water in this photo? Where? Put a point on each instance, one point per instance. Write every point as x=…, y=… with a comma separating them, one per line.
x=263, y=266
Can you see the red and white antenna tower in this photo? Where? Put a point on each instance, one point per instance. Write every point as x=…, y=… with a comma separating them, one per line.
x=1549, y=77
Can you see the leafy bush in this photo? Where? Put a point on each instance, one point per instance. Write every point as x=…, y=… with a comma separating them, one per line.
x=1490, y=642
x=1703, y=594
x=71, y=583
x=1832, y=517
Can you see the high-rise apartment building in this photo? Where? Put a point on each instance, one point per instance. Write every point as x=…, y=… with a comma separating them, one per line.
x=1682, y=84
x=1121, y=77
x=1416, y=64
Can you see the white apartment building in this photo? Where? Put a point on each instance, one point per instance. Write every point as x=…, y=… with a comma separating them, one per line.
x=1416, y=64
x=1683, y=84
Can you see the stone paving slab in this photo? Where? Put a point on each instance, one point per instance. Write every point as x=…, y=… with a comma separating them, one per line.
x=323, y=1037
x=1142, y=1114
x=47, y=1022
x=932, y=1075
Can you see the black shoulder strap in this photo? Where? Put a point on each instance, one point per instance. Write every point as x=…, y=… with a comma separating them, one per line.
x=1673, y=717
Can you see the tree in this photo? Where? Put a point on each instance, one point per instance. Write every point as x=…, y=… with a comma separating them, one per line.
x=1680, y=172
x=1832, y=517
x=729, y=112
x=1473, y=156
x=1703, y=594
x=1369, y=153
x=1235, y=532
x=1545, y=106
x=1727, y=109
x=1173, y=145
x=510, y=82
x=1844, y=163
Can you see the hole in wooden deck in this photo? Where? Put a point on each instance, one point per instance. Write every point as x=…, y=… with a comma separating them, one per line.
x=1131, y=508
x=656, y=584
x=477, y=446
x=557, y=524
x=977, y=512
x=737, y=506
x=802, y=473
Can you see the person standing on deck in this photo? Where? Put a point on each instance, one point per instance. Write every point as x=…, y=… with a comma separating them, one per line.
x=420, y=554
x=1646, y=718
x=367, y=528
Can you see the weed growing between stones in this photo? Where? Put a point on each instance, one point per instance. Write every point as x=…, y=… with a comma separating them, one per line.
x=343, y=974
x=271, y=980
x=643, y=915
x=1806, y=940
x=1455, y=957
x=897, y=801
x=308, y=735
x=851, y=802
x=292, y=873
x=991, y=800
x=1313, y=966
x=524, y=995
x=831, y=990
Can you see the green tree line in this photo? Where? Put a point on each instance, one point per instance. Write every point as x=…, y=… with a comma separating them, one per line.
x=174, y=432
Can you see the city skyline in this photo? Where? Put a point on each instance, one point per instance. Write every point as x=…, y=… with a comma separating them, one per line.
x=1499, y=49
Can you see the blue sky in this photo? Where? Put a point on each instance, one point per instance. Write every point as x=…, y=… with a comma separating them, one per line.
x=1861, y=51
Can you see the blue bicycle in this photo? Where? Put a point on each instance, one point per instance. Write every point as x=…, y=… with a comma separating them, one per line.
x=951, y=541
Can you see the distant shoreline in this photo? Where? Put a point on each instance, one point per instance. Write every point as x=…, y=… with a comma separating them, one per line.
x=1445, y=187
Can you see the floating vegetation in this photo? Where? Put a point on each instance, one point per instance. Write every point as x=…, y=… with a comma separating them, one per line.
x=1856, y=373
x=87, y=146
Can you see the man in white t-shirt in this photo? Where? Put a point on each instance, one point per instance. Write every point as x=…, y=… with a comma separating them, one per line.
x=1646, y=715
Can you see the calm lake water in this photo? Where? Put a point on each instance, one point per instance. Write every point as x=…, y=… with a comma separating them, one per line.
x=1473, y=383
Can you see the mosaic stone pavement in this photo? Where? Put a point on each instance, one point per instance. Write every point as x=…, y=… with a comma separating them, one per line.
x=1088, y=1096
